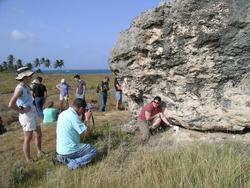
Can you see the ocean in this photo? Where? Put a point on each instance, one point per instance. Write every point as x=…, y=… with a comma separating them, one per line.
x=86, y=71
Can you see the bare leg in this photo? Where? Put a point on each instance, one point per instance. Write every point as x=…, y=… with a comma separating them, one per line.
x=117, y=105
x=26, y=144
x=67, y=103
x=38, y=139
x=61, y=105
x=156, y=123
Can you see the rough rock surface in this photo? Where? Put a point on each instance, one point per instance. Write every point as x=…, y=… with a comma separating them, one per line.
x=193, y=54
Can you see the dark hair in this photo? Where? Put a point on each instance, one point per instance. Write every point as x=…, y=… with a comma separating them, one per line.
x=158, y=99
x=77, y=76
x=39, y=79
x=78, y=103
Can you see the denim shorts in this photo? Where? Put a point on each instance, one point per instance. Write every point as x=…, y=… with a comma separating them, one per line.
x=80, y=96
x=118, y=95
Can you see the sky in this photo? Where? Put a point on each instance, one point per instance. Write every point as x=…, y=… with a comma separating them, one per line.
x=80, y=32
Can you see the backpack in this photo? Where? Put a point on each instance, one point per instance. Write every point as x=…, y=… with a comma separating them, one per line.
x=97, y=87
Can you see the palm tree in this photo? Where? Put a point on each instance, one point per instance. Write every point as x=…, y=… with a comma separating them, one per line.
x=36, y=63
x=61, y=63
x=19, y=63
x=15, y=67
x=42, y=61
x=4, y=65
x=57, y=64
x=11, y=62
x=47, y=63
x=29, y=65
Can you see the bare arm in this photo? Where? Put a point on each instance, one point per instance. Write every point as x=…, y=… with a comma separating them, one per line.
x=149, y=117
x=165, y=120
x=12, y=103
x=84, y=88
x=87, y=122
x=45, y=96
x=58, y=88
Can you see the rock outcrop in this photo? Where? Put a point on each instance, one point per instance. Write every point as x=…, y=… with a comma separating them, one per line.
x=195, y=55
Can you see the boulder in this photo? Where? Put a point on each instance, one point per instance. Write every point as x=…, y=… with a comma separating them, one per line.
x=195, y=55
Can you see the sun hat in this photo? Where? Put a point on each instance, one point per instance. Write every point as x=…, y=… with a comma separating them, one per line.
x=22, y=72
x=107, y=78
x=63, y=80
x=34, y=81
x=49, y=104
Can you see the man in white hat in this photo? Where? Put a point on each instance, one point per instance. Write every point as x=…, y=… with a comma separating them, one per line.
x=64, y=93
x=22, y=103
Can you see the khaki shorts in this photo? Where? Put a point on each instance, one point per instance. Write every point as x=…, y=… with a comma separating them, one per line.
x=144, y=126
x=29, y=121
x=63, y=97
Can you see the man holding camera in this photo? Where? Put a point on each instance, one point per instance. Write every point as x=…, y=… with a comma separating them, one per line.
x=69, y=128
x=22, y=102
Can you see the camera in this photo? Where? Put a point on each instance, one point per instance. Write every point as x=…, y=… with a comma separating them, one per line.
x=21, y=107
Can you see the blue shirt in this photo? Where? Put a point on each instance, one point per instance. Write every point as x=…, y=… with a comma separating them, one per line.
x=26, y=98
x=64, y=88
x=69, y=127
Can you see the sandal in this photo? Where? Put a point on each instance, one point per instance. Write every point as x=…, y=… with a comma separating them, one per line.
x=30, y=161
x=42, y=154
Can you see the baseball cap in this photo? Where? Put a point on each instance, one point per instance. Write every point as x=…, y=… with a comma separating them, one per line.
x=107, y=78
x=63, y=80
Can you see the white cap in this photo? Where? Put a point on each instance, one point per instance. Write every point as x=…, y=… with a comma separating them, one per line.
x=63, y=80
x=34, y=81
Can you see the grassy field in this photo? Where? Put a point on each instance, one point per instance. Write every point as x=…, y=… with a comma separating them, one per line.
x=122, y=159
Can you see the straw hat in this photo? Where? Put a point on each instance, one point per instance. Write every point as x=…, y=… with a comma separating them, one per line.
x=22, y=72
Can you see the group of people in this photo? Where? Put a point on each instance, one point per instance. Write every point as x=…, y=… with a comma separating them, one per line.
x=69, y=125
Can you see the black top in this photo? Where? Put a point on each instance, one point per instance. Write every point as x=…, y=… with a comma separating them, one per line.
x=39, y=90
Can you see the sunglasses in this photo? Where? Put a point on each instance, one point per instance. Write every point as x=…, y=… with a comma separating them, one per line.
x=156, y=102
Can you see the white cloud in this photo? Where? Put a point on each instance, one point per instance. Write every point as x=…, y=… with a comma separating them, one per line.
x=66, y=47
x=25, y=37
x=68, y=31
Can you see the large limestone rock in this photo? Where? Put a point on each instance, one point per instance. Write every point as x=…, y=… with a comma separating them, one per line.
x=195, y=55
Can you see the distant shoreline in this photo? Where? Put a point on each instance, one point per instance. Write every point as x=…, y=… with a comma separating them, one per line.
x=78, y=71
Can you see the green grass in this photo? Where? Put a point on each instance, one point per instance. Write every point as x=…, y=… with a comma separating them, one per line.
x=225, y=164
x=8, y=82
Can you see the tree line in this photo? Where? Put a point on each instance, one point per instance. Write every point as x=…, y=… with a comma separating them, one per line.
x=11, y=66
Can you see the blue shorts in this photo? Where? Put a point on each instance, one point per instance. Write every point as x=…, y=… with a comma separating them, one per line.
x=118, y=95
x=80, y=96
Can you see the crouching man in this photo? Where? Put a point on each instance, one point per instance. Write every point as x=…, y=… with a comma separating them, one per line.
x=69, y=128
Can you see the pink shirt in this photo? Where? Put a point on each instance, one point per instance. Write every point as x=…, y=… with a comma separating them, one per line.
x=149, y=108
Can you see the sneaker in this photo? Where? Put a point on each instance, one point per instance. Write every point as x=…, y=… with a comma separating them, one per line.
x=55, y=160
x=30, y=161
x=151, y=131
x=42, y=154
